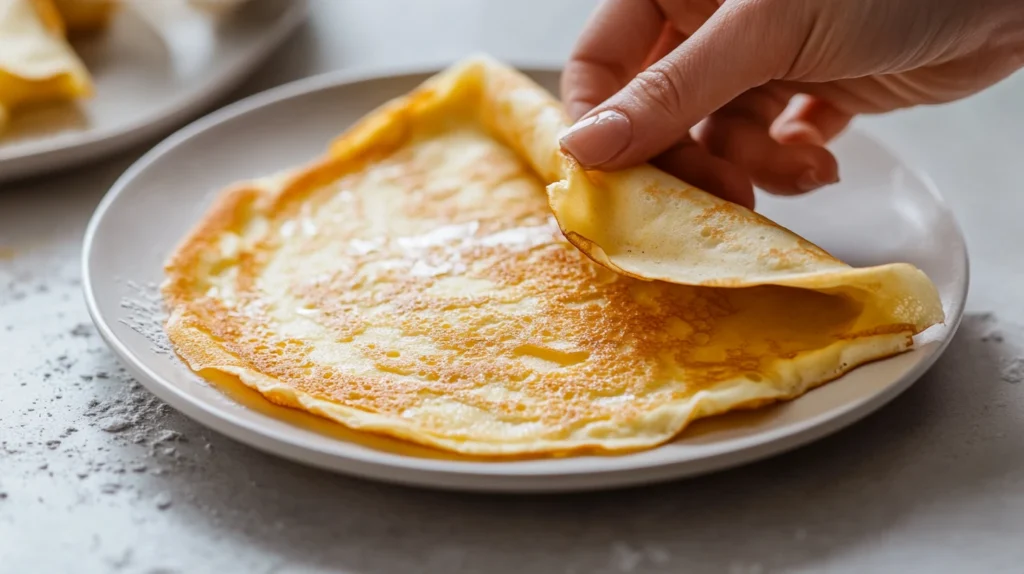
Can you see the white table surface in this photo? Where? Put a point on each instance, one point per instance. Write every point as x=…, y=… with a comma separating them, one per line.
x=933, y=482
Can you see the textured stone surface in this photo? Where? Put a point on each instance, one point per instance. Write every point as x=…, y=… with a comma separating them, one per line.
x=96, y=475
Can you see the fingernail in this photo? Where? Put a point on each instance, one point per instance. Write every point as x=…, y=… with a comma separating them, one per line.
x=597, y=139
x=810, y=181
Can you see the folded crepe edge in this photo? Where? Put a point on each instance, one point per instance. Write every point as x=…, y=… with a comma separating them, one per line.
x=386, y=128
x=530, y=121
x=69, y=77
x=513, y=101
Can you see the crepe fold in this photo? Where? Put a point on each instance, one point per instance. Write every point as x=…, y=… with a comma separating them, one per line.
x=646, y=224
x=36, y=62
x=446, y=275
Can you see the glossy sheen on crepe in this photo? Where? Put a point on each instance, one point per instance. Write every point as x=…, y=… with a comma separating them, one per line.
x=414, y=283
x=36, y=62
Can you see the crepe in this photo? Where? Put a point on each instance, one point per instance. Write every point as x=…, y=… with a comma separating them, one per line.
x=36, y=62
x=416, y=283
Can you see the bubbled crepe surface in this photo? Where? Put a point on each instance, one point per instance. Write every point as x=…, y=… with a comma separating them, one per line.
x=415, y=283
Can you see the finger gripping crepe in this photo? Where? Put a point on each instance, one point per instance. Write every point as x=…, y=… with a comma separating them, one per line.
x=417, y=282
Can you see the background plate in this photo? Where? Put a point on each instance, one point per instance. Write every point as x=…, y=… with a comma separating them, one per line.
x=881, y=212
x=160, y=64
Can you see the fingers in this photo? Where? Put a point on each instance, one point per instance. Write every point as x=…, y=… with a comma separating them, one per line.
x=740, y=133
x=688, y=15
x=669, y=39
x=744, y=44
x=693, y=164
x=810, y=120
x=613, y=48
x=652, y=114
x=863, y=95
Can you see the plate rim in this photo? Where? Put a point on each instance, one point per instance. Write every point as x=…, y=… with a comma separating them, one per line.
x=101, y=143
x=474, y=475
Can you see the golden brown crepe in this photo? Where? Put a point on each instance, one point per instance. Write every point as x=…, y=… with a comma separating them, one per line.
x=36, y=62
x=415, y=283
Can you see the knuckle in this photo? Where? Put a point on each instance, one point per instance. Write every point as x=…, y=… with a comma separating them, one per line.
x=662, y=89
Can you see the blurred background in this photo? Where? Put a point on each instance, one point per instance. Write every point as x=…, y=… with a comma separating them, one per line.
x=930, y=483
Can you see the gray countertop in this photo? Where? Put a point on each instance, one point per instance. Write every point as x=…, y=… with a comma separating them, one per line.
x=932, y=482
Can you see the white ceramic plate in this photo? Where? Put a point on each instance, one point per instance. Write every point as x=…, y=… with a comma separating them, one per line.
x=882, y=212
x=160, y=64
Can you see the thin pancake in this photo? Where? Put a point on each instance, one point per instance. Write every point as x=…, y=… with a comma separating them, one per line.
x=36, y=62
x=414, y=283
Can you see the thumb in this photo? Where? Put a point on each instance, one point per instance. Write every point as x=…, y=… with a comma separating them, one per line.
x=744, y=44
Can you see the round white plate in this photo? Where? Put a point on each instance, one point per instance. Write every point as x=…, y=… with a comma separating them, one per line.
x=159, y=64
x=882, y=212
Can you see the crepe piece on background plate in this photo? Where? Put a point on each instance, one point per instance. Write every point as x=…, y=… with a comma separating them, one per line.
x=36, y=62
x=414, y=283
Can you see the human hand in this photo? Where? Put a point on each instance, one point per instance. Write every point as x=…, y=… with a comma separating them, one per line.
x=723, y=93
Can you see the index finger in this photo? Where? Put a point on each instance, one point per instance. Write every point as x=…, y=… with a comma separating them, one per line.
x=613, y=48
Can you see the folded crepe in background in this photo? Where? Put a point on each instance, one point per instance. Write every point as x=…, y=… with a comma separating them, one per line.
x=36, y=63
x=414, y=283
